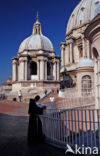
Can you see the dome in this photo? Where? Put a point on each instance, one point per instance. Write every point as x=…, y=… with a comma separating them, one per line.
x=85, y=11
x=85, y=63
x=36, y=41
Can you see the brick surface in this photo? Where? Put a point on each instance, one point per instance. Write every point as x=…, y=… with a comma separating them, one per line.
x=14, y=108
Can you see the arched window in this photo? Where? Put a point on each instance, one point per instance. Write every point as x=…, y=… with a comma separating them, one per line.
x=33, y=68
x=72, y=22
x=95, y=53
x=80, y=48
x=81, y=15
x=86, y=85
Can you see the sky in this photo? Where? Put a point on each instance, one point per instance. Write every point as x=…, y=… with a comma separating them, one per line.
x=16, y=21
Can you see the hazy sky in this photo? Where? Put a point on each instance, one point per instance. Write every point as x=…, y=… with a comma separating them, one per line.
x=16, y=21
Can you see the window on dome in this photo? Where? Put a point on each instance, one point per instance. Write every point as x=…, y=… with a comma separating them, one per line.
x=33, y=67
x=81, y=15
x=72, y=22
x=73, y=15
x=82, y=9
x=97, y=2
x=80, y=48
x=80, y=22
x=86, y=85
x=97, y=9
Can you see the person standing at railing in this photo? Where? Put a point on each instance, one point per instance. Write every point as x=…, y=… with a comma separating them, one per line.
x=35, y=133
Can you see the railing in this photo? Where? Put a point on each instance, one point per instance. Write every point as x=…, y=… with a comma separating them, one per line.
x=75, y=102
x=72, y=126
x=73, y=92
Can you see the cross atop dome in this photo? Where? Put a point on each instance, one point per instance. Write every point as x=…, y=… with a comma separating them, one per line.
x=37, y=17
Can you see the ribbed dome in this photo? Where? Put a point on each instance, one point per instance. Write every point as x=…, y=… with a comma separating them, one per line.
x=85, y=11
x=36, y=41
x=85, y=63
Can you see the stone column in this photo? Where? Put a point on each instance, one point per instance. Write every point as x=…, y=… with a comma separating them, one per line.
x=38, y=69
x=71, y=53
x=68, y=54
x=45, y=66
x=55, y=71
x=58, y=71
x=42, y=74
x=62, y=61
x=83, y=43
x=25, y=70
x=21, y=70
x=98, y=82
x=14, y=70
x=98, y=79
x=88, y=49
x=62, y=54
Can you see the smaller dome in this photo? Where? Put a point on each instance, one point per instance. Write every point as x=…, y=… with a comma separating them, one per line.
x=85, y=63
x=37, y=40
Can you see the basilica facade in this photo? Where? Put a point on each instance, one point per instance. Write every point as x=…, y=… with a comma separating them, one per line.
x=36, y=66
x=92, y=33
x=76, y=52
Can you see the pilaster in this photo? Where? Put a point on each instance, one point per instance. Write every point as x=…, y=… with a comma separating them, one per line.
x=14, y=69
x=42, y=74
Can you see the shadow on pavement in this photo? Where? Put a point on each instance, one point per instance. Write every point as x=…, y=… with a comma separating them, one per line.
x=13, y=139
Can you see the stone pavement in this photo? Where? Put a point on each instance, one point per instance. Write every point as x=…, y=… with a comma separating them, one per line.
x=13, y=108
x=13, y=134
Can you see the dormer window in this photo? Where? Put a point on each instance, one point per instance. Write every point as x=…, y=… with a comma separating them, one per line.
x=82, y=9
x=73, y=15
x=81, y=16
x=97, y=2
x=80, y=22
x=80, y=48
